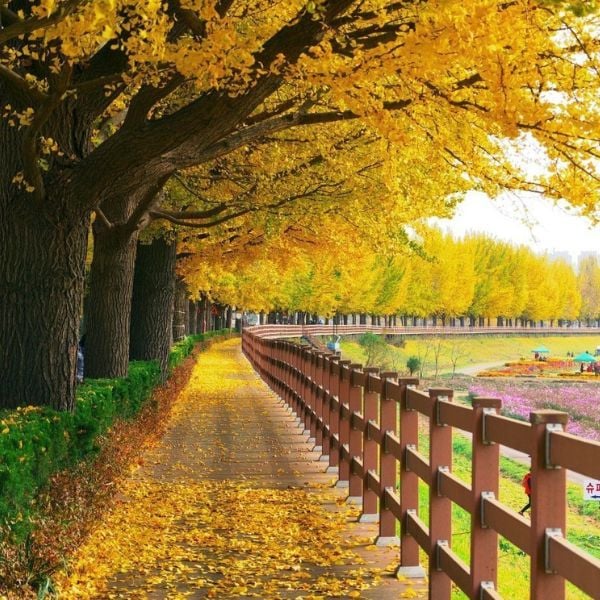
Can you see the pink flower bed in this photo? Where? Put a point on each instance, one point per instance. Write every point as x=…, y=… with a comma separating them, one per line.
x=580, y=400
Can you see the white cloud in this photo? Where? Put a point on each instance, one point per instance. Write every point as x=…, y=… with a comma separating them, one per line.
x=524, y=219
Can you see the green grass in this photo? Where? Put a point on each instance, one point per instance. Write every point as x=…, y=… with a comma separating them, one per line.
x=474, y=350
x=583, y=526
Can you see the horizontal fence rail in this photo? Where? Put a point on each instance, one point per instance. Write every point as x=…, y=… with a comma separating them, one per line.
x=293, y=331
x=366, y=424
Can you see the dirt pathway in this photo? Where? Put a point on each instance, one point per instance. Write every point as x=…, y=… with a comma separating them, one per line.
x=233, y=504
x=477, y=368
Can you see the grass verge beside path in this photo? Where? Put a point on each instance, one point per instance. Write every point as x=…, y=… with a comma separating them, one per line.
x=583, y=521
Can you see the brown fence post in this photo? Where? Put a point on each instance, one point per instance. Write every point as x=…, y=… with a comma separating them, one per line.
x=440, y=508
x=387, y=463
x=548, y=504
x=370, y=512
x=297, y=384
x=312, y=387
x=343, y=423
x=485, y=476
x=311, y=399
x=334, y=413
x=318, y=381
x=355, y=446
x=307, y=403
x=292, y=382
x=409, y=486
x=325, y=395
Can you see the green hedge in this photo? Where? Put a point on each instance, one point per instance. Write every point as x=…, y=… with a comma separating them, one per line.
x=35, y=443
x=183, y=348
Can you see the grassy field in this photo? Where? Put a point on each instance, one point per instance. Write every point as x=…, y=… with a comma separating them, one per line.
x=474, y=350
x=583, y=522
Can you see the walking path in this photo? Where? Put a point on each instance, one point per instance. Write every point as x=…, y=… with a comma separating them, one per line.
x=233, y=504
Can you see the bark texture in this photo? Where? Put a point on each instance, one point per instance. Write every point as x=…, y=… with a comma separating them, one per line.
x=43, y=243
x=109, y=305
x=42, y=269
x=181, y=311
x=152, y=302
x=193, y=312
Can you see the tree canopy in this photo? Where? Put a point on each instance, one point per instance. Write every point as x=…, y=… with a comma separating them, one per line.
x=178, y=83
x=337, y=115
x=476, y=276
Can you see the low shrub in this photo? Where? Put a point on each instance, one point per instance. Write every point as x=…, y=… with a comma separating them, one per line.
x=413, y=364
x=36, y=442
x=182, y=348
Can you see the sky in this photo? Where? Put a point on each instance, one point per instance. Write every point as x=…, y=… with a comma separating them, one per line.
x=526, y=219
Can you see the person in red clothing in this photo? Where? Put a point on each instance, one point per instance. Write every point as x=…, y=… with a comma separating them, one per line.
x=526, y=483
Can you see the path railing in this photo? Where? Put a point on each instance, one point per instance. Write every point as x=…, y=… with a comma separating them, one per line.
x=365, y=423
x=289, y=331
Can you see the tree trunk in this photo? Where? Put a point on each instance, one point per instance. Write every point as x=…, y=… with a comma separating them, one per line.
x=152, y=302
x=193, y=314
x=109, y=302
x=230, y=313
x=180, y=312
x=207, y=317
x=42, y=270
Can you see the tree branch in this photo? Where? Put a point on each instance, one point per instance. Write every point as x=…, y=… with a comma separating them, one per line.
x=290, y=42
x=103, y=218
x=198, y=214
x=157, y=214
x=26, y=26
x=31, y=167
x=253, y=132
x=147, y=97
x=142, y=212
x=20, y=84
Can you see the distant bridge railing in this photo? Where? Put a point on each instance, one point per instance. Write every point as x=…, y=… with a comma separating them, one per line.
x=288, y=331
x=365, y=423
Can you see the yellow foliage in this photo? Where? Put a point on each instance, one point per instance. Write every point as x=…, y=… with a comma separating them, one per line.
x=455, y=88
x=339, y=273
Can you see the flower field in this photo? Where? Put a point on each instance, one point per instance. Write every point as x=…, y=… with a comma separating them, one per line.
x=553, y=367
x=519, y=398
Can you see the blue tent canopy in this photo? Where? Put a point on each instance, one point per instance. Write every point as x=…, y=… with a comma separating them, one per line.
x=585, y=357
x=541, y=350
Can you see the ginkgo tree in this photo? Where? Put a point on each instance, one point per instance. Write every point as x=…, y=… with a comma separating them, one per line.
x=443, y=278
x=589, y=284
x=103, y=101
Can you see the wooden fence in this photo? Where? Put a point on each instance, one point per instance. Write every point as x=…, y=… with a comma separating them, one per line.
x=290, y=331
x=366, y=424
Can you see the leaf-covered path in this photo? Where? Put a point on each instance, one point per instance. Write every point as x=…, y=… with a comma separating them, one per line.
x=232, y=504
